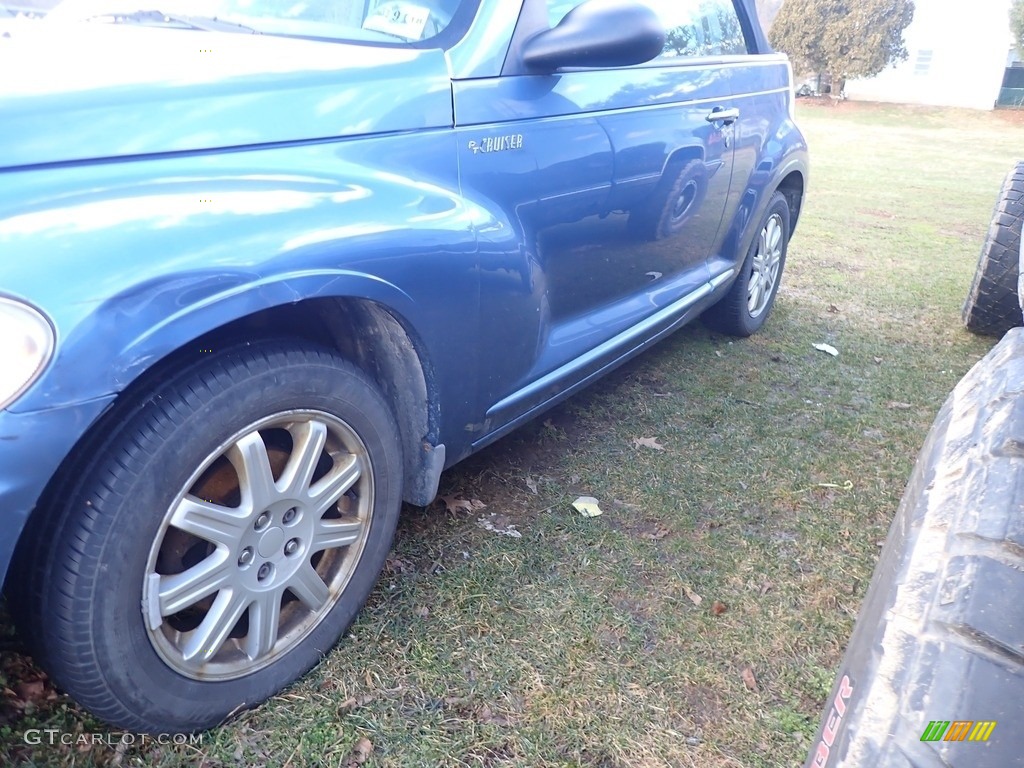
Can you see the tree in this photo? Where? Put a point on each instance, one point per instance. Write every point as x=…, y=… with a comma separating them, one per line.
x=845, y=38
x=1017, y=24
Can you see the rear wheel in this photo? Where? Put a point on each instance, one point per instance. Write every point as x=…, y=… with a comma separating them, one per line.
x=220, y=538
x=992, y=306
x=745, y=308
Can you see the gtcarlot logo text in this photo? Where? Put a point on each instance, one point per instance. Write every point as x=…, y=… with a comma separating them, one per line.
x=55, y=736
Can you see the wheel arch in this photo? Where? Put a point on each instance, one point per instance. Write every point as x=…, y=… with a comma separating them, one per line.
x=379, y=342
x=792, y=187
x=372, y=336
x=756, y=201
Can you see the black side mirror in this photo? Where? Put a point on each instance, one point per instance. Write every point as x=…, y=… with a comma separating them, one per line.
x=598, y=33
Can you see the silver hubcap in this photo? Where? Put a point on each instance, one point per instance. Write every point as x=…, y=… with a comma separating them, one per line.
x=765, y=273
x=259, y=545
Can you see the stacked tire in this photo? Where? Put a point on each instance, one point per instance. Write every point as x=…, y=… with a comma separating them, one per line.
x=993, y=307
x=934, y=670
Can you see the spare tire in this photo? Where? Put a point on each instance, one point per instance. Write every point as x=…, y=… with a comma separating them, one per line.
x=992, y=307
x=934, y=669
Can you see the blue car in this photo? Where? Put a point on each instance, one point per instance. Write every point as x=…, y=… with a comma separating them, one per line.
x=268, y=268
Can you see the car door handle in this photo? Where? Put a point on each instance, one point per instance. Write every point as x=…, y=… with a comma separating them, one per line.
x=727, y=116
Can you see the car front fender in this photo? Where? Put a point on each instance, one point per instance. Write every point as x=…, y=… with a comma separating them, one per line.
x=132, y=261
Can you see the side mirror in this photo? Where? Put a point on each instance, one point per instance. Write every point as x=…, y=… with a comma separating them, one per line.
x=598, y=33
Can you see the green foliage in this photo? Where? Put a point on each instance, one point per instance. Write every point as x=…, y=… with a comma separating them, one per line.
x=1017, y=24
x=845, y=38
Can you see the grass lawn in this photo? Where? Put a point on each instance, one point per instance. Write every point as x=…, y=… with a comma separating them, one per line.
x=700, y=620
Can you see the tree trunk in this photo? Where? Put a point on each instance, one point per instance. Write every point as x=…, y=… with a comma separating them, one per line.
x=838, y=87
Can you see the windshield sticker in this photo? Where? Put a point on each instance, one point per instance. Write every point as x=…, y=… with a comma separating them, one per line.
x=401, y=19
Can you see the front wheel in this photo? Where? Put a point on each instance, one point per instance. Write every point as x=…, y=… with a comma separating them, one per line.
x=220, y=538
x=745, y=308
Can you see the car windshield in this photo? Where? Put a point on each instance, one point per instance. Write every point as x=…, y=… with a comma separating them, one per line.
x=357, y=20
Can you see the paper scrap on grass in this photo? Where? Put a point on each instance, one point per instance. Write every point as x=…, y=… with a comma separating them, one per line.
x=827, y=349
x=500, y=525
x=587, y=506
x=694, y=597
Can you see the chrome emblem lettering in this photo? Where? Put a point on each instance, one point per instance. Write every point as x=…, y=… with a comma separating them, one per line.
x=497, y=144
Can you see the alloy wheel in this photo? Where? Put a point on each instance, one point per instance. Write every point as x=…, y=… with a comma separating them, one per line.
x=259, y=545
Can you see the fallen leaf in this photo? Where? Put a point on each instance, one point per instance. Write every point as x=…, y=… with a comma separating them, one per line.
x=455, y=504
x=360, y=752
x=894, y=406
x=486, y=716
x=827, y=349
x=656, y=534
x=648, y=442
x=531, y=484
x=348, y=705
x=573, y=479
x=422, y=611
x=33, y=691
x=694, y=597
x=397, y=565
x=718, y=608
x=587, y=506
x=748, y=678
x=766, y=588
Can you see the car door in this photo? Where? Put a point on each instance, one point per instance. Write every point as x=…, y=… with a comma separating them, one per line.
x=610, y=184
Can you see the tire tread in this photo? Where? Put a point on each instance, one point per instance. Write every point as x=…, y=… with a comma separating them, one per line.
x=993, y=306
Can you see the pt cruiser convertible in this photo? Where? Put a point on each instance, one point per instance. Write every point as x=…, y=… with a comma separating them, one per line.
x=268, y=268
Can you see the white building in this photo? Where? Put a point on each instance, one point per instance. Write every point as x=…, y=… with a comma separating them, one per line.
x=958, y=55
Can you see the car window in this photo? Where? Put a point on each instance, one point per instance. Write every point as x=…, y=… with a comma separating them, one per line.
x=693, y=27
x=410, y=21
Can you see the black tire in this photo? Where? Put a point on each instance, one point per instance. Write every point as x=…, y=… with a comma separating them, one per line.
x=733, y=314
x=322, y=440
x=992, y=306
x=677, y=197
x=940, y=637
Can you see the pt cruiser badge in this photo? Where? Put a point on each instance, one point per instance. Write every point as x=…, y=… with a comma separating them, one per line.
x=497, y=144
